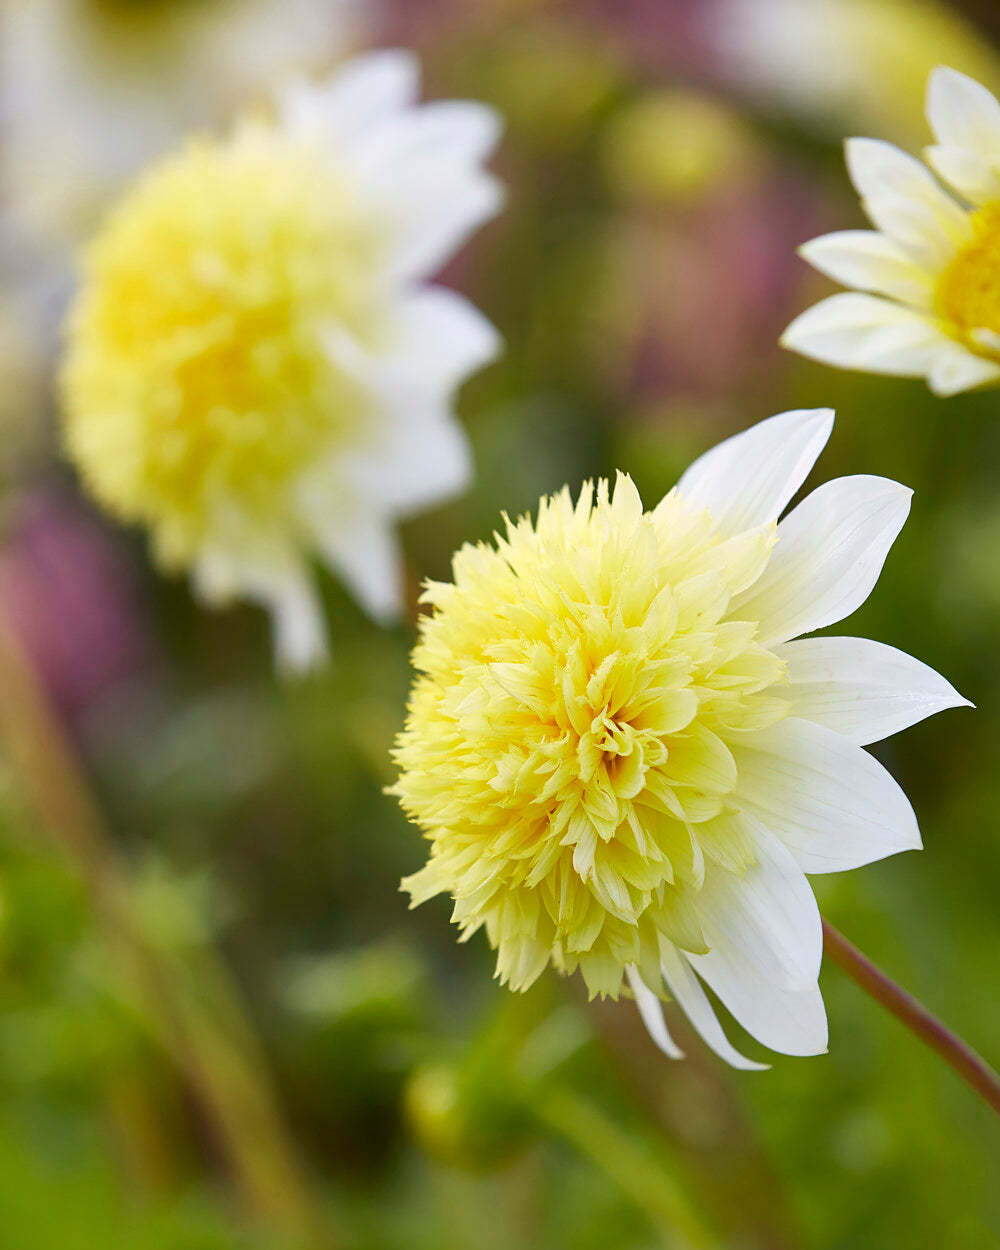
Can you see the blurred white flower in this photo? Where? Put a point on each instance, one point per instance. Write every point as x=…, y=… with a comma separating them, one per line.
x=833, y=64
x=626, y=759
x=256, y=366
x=930, y=271
x=92, y=89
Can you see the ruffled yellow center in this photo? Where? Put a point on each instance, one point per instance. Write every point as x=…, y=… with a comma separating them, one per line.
x=567, y=748
x=968, y=291
x=197, y=381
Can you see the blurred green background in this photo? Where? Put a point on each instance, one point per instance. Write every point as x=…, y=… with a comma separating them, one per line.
x=219, y=1025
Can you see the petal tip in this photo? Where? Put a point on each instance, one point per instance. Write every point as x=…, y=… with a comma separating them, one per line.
x=823, y=418
x=946, y=77
x=910, y=840
x=809, y=250
x=791, y=337
x=857, y=147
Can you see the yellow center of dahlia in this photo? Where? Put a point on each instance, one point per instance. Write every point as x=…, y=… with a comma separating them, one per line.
x=968, y=291
x=567, y=748
x=197, y=383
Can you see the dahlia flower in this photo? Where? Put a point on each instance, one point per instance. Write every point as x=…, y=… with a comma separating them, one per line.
x=626, y=759
x=926, y=298
x=256, y=366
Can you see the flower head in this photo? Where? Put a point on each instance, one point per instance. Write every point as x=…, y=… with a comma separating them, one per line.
x=926, y=301
x=622, y=761
x=255, y=365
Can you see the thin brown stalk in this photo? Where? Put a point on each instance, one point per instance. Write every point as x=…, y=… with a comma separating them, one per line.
x=971, y=1067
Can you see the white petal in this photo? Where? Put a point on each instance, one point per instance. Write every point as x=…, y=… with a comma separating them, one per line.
x=651, y=1012
x=875, y=335
x=435, y=340
x=986, y=338
x=956, y=370
x=962, y=112
x=422, y=459
x=869, y=261
x=971, y=174
x=790, y=1021
x=273, y=575
x=904, y=201
x=415, y=453
x=364, y=551
x=368, y=89
x=300, y=639
x=426, y=188
x=769, y=913
x=861, y=689
x=828, y=557
x=830, y=802
x=747, y=480
x=692, y=1000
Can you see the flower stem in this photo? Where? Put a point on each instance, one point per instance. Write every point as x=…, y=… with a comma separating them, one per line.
x=970, y=1066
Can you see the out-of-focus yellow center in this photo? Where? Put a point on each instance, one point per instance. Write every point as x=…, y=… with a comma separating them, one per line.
x=968, y=291
x=197, y=384
x=567, y=750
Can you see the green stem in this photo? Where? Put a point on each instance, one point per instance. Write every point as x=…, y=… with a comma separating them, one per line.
x=971, y=1067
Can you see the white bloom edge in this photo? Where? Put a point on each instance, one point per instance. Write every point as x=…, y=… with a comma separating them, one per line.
x=888, y=323
x=418, y=172
x=811, y=799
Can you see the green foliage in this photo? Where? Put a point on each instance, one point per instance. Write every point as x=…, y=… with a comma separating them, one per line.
x=433, y=1110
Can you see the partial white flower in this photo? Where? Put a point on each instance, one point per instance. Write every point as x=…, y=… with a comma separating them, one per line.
x=823, y=62
x=90, y=91
x=926, y=298
x=257, y=368
x=625, y=758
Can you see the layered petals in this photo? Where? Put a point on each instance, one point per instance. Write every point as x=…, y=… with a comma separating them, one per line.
x=864, y=332
x=828, y=557
x=423, y=178
x=747, y=480
x=680, y=979
x=289, y=389
x=963, y=113
x=928, y=301
x=904, y=200
x=414, y=453
x=790, y=1021
x=965, y=118
x=651, y=1011
x=869, y=261
x=626, y=760
x=769, y=913
x=827, y=800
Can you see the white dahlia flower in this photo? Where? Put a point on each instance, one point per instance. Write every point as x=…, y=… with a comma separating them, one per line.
x=926, y=298
x=625, y=758
x=256, y=366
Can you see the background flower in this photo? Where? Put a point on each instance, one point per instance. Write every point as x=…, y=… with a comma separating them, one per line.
x=825, y=60
x=932, y=264
x=255, y=367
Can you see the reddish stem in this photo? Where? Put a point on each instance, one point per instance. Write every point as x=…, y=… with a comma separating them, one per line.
x=970, y=1066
